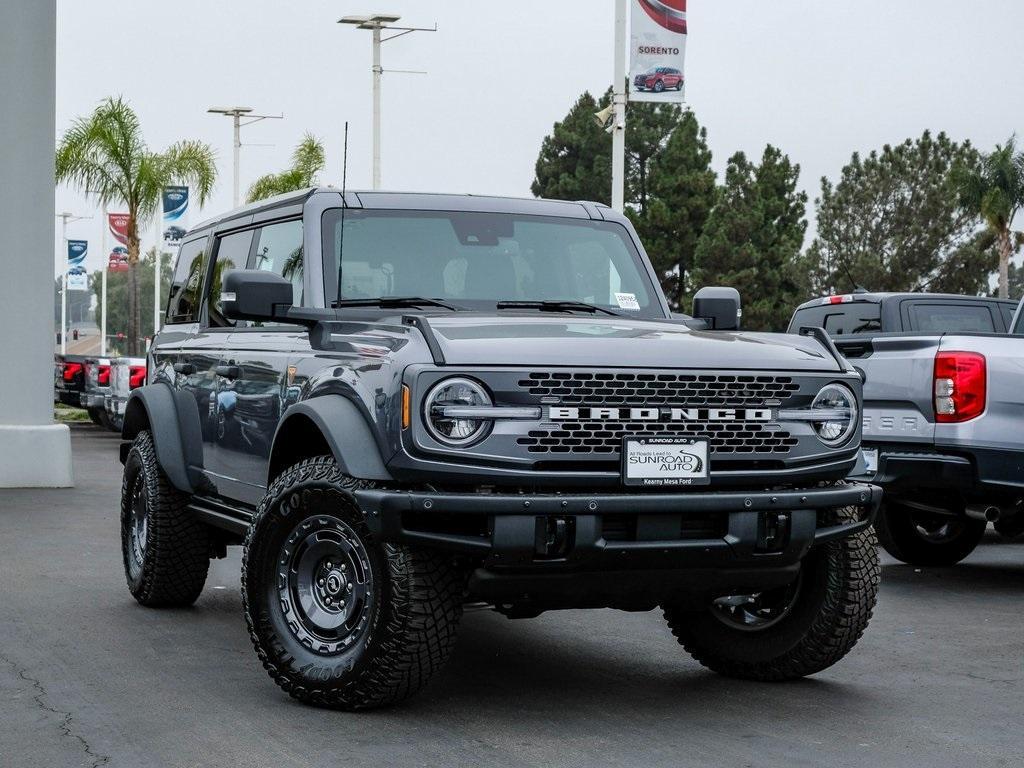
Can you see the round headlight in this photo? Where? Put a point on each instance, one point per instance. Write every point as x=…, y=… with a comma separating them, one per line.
x=839, y=414
x=453, y=393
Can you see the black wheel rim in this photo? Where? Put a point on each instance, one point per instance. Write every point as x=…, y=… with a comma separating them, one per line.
x=325, y=585
x=138, y=527
x=757, y=611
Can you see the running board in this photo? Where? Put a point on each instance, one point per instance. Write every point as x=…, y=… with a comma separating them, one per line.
x=228, y=518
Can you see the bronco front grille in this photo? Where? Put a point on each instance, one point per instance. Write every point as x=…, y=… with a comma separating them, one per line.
x=649, y=389
x=592, y=437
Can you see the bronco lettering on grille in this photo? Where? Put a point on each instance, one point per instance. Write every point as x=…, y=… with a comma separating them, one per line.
x=573, y=413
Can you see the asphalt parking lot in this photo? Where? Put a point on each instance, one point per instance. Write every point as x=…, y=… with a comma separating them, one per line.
x=89, y=678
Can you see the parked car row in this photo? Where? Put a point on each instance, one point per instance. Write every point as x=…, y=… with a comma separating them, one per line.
x=943, y=429
x=100, y=385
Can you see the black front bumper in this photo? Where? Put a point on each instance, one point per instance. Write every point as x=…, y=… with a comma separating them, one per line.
x=673, y=531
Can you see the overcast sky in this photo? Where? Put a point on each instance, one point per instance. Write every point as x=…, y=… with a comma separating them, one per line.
x=818, y=79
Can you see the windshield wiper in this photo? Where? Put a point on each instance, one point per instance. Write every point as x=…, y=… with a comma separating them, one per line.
x=556, y=305
x=389, y=302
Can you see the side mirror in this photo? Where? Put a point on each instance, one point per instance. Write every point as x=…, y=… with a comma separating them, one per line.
x=251, y=294
x=719, y=307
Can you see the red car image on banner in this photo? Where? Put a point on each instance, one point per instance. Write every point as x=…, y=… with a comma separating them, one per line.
x=657, y=50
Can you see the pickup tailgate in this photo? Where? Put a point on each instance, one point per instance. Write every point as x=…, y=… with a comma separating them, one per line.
x=897, y=373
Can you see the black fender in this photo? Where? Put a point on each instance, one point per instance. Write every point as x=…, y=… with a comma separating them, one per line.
x=344, y=429
x=173, y=419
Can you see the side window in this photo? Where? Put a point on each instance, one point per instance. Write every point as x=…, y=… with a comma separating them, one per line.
x=840, y=319
x=279, y=250
x=952, y=318
x=230, y=252
x=186, y=283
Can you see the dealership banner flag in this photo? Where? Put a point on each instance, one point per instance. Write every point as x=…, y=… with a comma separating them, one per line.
x=175, y=206
x=76, y=278
x=118, y=224
x=657, y=49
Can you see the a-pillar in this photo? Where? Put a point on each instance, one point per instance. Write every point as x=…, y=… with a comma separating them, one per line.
x=34, y=451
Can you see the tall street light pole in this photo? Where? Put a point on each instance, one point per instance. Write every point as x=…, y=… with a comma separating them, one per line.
x=375, y=23
x=619, y=109
x=237, y=114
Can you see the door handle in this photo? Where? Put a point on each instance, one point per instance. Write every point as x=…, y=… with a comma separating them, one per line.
x=186, y=369
x=227, y=371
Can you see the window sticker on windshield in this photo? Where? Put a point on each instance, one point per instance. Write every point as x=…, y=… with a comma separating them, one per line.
x=627, y=301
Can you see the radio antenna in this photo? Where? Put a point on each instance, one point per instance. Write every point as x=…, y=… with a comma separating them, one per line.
x=344, y=205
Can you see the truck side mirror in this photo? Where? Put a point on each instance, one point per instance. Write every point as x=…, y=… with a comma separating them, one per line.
x=252, y=294
x=719, y=307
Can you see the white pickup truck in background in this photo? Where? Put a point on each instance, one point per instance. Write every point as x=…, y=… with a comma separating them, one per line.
x=943, y=414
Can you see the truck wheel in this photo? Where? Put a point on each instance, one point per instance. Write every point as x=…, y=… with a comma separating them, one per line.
x=917, y=539
x=338, y=618
x=166, y=550
x=795, y=630
x=98, y=416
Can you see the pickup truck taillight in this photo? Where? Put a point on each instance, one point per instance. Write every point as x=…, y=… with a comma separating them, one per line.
x=136, y=376
x=959, y=386
x=103, y=375
x=71, y=370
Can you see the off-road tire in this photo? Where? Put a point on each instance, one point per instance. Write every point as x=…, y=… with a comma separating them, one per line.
x=410, y=629
x=837, y=593
x=899, y=536
x=175, y=557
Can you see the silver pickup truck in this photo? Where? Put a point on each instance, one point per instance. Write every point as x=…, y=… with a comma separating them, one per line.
x=943, y=415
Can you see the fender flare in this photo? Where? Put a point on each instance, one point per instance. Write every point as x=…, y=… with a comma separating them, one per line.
x=172, y=417
x=346, y=432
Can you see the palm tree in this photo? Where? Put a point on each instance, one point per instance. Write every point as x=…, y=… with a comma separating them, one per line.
x=104, y=155
x=308, y=160
x=994, y=190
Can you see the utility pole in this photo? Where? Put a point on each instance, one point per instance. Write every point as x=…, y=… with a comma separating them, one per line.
x=619, y=109
x=375, y=23
x=103, y=291
x=237, y=114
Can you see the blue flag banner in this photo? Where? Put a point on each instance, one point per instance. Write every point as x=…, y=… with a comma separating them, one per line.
x=76, y=278
x=175, y=205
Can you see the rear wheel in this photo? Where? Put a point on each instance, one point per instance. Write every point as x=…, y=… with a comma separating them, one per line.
x=166, y=551
x=795, y=630
x=98, y=416
x=338, y=618
x=919, y=537
x=679, y=85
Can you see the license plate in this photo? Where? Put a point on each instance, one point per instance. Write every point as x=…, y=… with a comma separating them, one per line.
x=664, y=461
x=870, y=460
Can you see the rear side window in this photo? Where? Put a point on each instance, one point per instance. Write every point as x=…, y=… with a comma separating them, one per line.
x=186, y=283
x=840, y=319
x=279, y=250
x=230, y=252
x=951, y=318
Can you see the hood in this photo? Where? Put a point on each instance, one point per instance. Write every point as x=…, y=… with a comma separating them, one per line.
x=598, y=342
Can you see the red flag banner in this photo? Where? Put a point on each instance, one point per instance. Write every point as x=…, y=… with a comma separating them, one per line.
x=118, y=223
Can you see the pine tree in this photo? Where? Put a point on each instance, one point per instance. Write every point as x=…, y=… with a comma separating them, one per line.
x=753, y=237
x=893, y=219
x=575, y=161
x=681, y=193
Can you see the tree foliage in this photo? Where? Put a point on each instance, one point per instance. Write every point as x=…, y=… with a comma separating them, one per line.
x=308, y=160
x=104, y=155
x=681, y=194
x=894, y=221
x=992, y=187
x=753, y=236
x=118, y=321
x=575, y=159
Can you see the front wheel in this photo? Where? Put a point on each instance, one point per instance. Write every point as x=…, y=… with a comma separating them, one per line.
x=921, y=538
x=659, y=87
x=338, y=618
x=793, y=631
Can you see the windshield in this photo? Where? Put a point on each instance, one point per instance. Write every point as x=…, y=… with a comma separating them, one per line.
x=476, y=260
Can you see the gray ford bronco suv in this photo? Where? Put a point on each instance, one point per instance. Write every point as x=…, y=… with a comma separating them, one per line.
x=400, y=404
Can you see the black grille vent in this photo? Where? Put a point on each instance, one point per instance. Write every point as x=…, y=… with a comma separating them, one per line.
x=605, y=437
x=649, y=389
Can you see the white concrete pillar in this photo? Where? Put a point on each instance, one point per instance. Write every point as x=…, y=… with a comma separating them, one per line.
x=34, y=452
